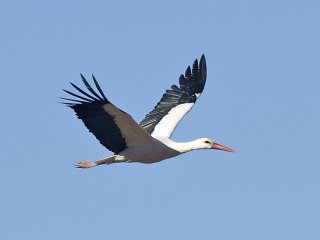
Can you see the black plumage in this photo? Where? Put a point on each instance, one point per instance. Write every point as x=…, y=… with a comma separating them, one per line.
x=89, y=108
x=191, y=85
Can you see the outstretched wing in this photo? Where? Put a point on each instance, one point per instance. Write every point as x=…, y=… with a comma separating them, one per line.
x=115, y=129
x=177, y=101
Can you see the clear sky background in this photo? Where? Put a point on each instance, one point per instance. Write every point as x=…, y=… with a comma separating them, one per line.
x=262, y=98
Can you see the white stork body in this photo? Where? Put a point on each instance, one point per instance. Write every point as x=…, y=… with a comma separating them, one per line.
x=152, y=152
x=149, y=141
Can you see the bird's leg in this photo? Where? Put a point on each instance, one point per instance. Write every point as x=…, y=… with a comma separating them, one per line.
x=108, y=160
x=86, y=164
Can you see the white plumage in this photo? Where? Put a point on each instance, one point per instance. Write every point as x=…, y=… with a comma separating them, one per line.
x=149, y=141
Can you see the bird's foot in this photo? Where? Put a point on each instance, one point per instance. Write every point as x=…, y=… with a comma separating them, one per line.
x=85, y=164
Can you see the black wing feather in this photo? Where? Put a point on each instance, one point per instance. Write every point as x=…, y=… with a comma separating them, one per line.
x=95, y=118
x=83, y=92
x=191, y=83
x=98, y=87
x=90, y=88
x=76, y=95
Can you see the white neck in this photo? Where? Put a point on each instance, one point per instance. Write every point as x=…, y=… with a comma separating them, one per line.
x=184, y=147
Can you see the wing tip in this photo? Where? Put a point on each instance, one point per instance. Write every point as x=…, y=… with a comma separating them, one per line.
x=187, y=74
x=200, y=74
x=202, y=60
x=88, y=98
x=203, y=69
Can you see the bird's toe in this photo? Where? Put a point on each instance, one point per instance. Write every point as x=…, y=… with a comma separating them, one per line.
x=85, y=164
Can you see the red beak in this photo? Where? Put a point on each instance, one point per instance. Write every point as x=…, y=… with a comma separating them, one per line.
x=217, y=146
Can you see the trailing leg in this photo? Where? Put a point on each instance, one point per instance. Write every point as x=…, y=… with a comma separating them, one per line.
x=87, y=164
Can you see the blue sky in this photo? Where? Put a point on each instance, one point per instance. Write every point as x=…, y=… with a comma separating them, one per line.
x=261, y=98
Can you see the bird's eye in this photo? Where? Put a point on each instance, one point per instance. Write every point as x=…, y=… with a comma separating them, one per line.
x=207, y=141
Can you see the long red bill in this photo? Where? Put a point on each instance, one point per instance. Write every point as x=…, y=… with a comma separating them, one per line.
x=221, y=147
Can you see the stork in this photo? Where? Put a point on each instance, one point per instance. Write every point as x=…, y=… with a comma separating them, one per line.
x=149, y=141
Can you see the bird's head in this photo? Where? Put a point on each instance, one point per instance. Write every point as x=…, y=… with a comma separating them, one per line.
x=206, y=143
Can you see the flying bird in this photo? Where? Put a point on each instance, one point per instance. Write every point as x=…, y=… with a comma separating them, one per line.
x=149, y=141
